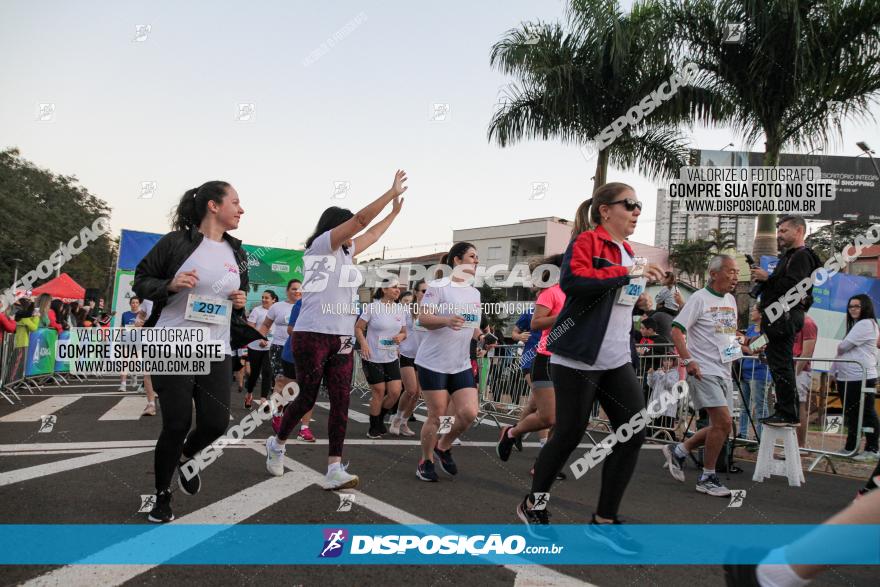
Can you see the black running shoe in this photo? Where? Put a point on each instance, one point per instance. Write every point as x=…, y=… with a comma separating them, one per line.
x=778, y=419
x=161, y=512
x=426, y=471
x=537, y=521
x=444, y=458
x=189, y=486
x=613, y=536
x=413, y=418
x=374, y=432
x=517, y=442
x=505, y=444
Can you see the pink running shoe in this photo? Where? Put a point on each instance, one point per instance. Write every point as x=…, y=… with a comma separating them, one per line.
x=305, y=434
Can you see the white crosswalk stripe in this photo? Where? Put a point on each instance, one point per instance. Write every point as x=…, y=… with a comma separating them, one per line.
x=128, y=408
x=44, y=408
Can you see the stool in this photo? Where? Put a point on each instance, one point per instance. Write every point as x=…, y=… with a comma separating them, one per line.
x=790, y=466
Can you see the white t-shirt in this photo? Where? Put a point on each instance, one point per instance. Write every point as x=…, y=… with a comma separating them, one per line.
x=214, y=262
x=445, y=350
x=256, y=317
x=279, y=312
x=327, y=306
x=861, y=343
x=384, y=322
x=709, y=320
x=410, y=345
x=615, y=350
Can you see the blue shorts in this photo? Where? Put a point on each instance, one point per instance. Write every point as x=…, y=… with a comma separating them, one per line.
x=434, y=381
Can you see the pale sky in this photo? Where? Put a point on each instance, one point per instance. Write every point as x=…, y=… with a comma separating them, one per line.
x=163, y=109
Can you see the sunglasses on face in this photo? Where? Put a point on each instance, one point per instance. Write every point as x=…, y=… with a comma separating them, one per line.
x=628, y=203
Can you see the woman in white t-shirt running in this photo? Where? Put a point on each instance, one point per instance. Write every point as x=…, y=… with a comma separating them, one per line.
x=379, y=332
x=258, y=351
x=450, y=311
x=408, y=349
x=322, y=335
x=198, y=265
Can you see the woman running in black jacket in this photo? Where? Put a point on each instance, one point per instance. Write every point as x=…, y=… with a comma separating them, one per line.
x=197, y=261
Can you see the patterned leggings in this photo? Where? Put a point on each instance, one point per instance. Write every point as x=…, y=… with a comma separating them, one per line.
x=317, y=357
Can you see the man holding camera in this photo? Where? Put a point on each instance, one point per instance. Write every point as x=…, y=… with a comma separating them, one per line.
x=796, y=263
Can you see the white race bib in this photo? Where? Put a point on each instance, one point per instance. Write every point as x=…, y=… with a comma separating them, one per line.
x=387, y=344
x=731, y=352
x=471, y=317
x=630, y=293
x=207, y=309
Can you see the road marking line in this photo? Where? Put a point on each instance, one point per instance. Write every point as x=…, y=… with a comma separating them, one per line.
x=28, y=473
x=43, y=408
x=128, y=408
x=352, y=415
x=231, y=510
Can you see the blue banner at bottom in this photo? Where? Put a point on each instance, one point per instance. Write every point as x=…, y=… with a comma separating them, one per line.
x=205, y=544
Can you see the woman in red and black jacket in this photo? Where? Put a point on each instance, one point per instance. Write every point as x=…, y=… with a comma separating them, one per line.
x=592, y=352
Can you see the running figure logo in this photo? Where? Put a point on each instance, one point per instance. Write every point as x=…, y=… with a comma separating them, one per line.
x=47, y=423
x=540, y=500
x=832, y=424
x=345, y=502
x=446, y=423
x=147, y=503
x=333, y=542
x=737, y=496
x=317, y=270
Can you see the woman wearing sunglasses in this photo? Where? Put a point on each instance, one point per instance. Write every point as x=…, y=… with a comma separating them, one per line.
x=592, y=354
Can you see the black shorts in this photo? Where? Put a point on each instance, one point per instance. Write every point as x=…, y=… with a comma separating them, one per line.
x=407, y=362
x=541, y=372
x=280, y=367
x=381, y=372
x=434, y=381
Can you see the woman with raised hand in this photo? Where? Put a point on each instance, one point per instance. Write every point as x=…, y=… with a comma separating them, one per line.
x=195, y=267
x=322, y=337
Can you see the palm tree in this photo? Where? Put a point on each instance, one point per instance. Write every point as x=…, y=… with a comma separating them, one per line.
x=720, y=241
x=575, y=80
x=800, y=68
x=692, y=258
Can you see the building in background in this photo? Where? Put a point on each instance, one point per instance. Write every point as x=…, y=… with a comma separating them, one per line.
x=674, y=226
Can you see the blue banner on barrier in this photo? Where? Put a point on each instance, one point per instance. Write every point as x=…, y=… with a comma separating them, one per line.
x=201, y=544
x=41, y=352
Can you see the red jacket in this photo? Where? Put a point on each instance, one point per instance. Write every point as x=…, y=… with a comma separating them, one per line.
x=7, y=324
x=590, y=274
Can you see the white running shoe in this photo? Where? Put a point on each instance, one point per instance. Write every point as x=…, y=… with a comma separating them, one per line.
x=405, y=430
x=866, y=457
x=394, y=428
x=121, y=387
x=456, y=442
x=274, y=458
x=339, y=478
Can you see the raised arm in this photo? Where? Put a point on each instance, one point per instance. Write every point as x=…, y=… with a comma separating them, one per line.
x=348, y=229
x=366, y=240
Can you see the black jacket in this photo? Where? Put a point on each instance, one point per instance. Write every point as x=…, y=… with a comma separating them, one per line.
x=793, y=266
x=155, y=272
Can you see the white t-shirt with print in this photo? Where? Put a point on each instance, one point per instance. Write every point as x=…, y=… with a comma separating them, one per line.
x=709, y=319
x=384, y=322
x=861, y=341
x=327, y=306
x=214, y=263
x=279, y=313
x=445, y=350
x=256, y=317
x=410, y=345
x=615, y=349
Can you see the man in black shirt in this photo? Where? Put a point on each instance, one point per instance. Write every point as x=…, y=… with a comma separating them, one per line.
x=796, y=263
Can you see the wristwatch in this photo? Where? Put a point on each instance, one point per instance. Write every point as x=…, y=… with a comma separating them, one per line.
x=686, y=362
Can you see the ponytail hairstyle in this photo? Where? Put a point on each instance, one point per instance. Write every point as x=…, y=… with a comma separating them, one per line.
x=272, y=294
x=457, y=251
x=587, y=216
x=193, y=205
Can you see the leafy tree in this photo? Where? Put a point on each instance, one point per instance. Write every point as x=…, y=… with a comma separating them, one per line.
x=494, y=296
x=43, y=209
x=720, y=241
x=844, y=234
x=692, y=258
x=798, y=69
x=575, y=79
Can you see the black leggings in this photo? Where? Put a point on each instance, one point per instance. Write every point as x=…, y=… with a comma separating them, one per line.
x=176, y=395
x=260, y=366
x=852, y=396
x=620, y=395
